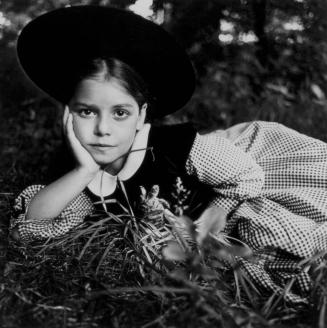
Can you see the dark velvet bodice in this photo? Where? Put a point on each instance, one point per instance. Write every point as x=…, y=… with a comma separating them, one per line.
x=169, y=147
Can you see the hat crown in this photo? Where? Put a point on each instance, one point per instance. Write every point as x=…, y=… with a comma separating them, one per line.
x=52, y=48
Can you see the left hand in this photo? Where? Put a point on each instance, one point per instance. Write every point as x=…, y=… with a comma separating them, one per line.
x=82, y=156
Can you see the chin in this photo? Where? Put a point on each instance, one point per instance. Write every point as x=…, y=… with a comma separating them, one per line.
x=105, y=160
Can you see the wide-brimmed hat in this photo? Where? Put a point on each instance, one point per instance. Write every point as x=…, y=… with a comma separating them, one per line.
x=53, y=47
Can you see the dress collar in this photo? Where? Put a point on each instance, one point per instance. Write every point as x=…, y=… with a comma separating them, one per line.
x=104, y=184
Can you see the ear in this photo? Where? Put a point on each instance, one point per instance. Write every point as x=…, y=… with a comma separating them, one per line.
x=142, y=117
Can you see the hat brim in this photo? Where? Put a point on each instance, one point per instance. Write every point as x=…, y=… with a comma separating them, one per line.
x=52, y=48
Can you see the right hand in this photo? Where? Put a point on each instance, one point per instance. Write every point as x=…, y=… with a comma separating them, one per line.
x=82, y=156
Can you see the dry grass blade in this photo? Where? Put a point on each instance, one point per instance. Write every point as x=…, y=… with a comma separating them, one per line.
x=173, y=252
x=104, y=255
x=88, y=242
x=322, y=313
x=178, y=233
x=250, y=289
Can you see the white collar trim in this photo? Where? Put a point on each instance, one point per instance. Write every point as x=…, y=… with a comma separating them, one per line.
x=104, y=184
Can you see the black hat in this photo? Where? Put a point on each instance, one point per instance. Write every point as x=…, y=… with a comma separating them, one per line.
x=52, y=48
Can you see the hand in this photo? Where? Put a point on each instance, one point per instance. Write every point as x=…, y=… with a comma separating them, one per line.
x=82, y=156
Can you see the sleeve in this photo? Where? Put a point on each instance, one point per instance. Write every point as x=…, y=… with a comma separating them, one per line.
x=30, y=230
x=233, y=174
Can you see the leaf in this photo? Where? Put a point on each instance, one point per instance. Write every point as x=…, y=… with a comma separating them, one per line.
x=224, y=255
x=178, y=274
x=279, y=89
x=173, y=252
x=9, y=267
x=176, y=231
x=143, y=193
x=212, y=221
x=217, y=264
x=208, y=274
x=241, y=251
x=317, y=91
x=186, y=227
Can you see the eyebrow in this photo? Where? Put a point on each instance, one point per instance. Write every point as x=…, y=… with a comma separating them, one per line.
x=95, y=106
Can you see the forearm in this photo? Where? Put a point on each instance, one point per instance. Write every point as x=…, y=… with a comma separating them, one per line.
x=25, y=230
x=54, y=198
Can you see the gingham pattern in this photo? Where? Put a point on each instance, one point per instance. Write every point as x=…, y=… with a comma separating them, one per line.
x=233, y=174
x=30, y=230
x=273, y=181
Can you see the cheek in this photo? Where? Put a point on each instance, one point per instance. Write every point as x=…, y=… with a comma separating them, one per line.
x=127, y=135
x=81, y=129
x=127, y=139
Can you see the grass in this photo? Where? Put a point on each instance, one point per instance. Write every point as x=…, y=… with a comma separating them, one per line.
x=105, y=274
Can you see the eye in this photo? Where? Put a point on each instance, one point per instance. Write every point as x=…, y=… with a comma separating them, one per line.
x=85, y=112
x=121, y=114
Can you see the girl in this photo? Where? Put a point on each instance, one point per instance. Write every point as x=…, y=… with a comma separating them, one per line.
x=113, y=70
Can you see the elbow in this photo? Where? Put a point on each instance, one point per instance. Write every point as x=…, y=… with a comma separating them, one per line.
x=260, y=181
x=254, y=185
x=32, y=213
x=18, y=235
x=249, y=186
x=14, y=234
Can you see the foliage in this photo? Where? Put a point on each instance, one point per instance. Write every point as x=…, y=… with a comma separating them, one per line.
x=278, y=73
x=281, y=73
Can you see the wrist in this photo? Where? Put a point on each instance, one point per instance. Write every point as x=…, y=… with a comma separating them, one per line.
x=87, y=172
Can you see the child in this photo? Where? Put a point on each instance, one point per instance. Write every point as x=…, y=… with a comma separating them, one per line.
x=113, y=70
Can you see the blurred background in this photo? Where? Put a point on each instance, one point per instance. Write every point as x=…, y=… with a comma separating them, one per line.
x=254, y=59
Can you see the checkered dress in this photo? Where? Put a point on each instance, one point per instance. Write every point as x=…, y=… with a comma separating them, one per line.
x=72, y=216
x=273, y=182
x=270, y=179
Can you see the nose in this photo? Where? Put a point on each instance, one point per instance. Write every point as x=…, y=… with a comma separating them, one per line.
x=102, y=126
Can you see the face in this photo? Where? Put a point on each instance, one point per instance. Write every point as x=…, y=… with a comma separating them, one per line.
x=105, y=120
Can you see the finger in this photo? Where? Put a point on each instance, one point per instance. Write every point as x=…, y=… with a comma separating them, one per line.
x=65, y=116
x=66, y=126
x=69, y=126
x=65, y=120
x=67, y=130
x=70, y=131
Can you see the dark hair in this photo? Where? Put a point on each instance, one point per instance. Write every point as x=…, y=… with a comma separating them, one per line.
x=105, y=69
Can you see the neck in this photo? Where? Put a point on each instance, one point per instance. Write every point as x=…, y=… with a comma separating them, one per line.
x=115, y=167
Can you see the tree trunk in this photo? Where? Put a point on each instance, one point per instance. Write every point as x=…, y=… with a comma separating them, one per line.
x=259, y=8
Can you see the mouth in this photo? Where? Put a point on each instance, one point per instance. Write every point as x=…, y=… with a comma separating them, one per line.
x=101, y=146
